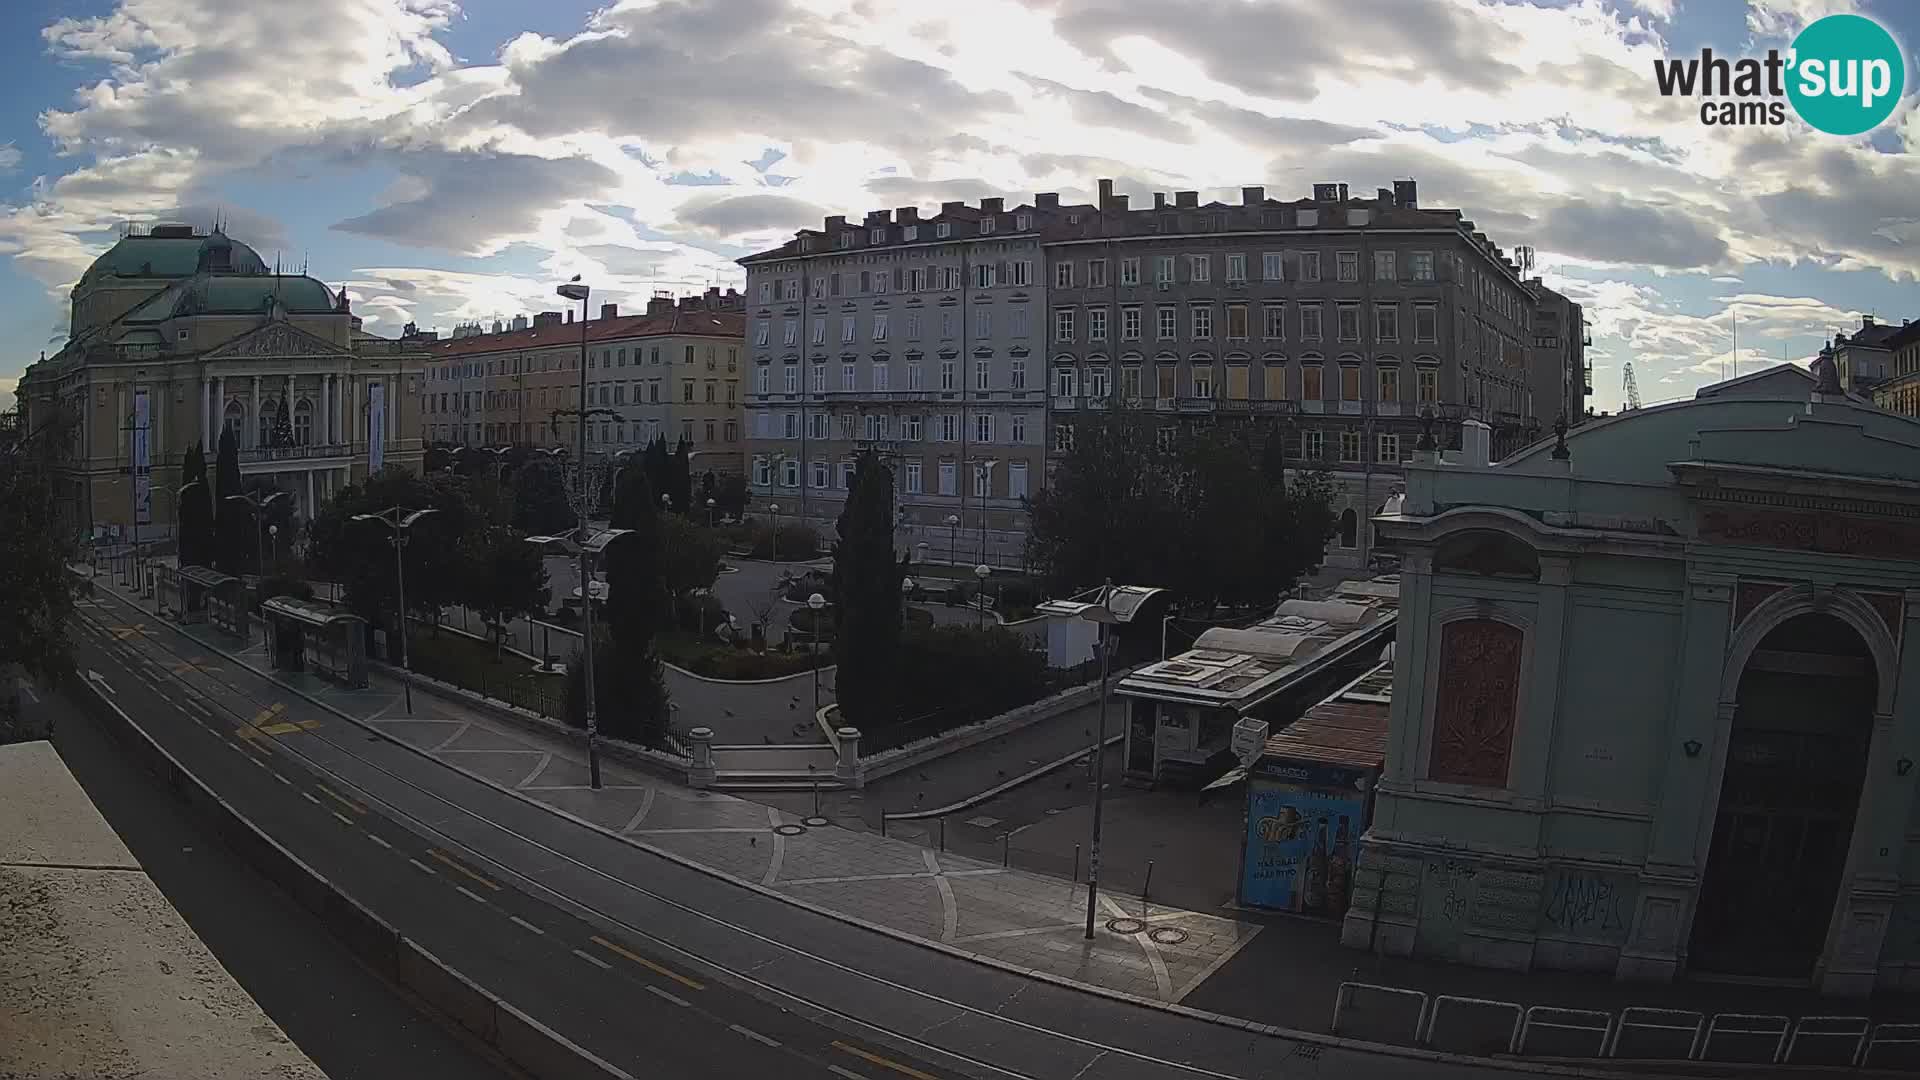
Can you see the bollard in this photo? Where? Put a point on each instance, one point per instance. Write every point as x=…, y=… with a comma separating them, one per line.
x=1076, y=864
x=816, y=796
x=943, y=834
x=1005, y=839
x=1146, y=888
x=883, y=824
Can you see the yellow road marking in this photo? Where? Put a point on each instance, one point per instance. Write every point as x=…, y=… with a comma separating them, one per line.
x=288, y=727
x=341, y=799
x=197, y=663
x=452, y=864
x=690, y=984
x=885, y=1063
x=122, y=633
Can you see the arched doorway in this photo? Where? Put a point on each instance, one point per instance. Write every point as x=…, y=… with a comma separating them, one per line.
x=1795, y=766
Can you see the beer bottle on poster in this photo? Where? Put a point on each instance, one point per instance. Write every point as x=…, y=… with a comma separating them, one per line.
x=1316, y=883
x=1340, y=869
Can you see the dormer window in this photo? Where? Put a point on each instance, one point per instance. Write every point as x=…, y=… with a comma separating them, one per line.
x=1023, y=222
x=876, y=236
x=910, y=232
x=1358, y=216
x=943, y=230
x=1306, y=219
x=986, y=225
x=846, y=240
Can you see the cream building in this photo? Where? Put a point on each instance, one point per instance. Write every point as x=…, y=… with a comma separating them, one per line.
x=178, y=335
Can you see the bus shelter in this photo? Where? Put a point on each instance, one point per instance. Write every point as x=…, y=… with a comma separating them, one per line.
x=200, y=594
x=305, y=636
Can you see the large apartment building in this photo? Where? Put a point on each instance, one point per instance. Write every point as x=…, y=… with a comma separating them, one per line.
x=674, y=371
x=1560, y=341
x=969, y=345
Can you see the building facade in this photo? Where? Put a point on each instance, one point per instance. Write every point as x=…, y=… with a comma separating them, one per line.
x=1900, y=391
x=179, y=335
x=1649, y=713
x=675, y=371
x=1559, y=362
x=969, y=344
x=920, y=339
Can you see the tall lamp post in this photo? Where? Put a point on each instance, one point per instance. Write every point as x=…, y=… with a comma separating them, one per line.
x=399, y=521
x=906, y=591
x=773, y=537
x=1117, y=607
x=953, y=539
x=980, y=596
x=816, y=604
x=574, y=290
x=711, y=503
x=258, y=503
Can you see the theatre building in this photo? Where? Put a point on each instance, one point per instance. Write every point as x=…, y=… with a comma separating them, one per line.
x=1648, y=715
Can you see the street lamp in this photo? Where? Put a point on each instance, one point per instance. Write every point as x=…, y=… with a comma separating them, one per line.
x=906, y=590
x=986, y=487
x=774, y=537
x=259, y=502
x=711, y=503
x=399, y=525
x=816, y=603
x=953, y=539
x=591, y=546
x=575, y=290
x=980, y=596
x=1116, y=606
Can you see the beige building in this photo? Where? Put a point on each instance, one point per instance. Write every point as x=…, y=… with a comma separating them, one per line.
x=674, y=371
x=178, y=335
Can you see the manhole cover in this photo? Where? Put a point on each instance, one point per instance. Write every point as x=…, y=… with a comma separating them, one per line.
x=789, y=830
x=815, y=821
x=1126, y=926
x=1167, y=935
x=983, y=822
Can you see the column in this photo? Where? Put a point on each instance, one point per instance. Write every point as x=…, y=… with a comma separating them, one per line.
x=252, y=434
x=311, y=505
x=219, y=413
x=323, y=420
x=120, y=419
x=1533, y=743
x=286, y=402
x=206, y=410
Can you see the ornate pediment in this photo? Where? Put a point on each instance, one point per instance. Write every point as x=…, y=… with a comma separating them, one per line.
x=276, y=339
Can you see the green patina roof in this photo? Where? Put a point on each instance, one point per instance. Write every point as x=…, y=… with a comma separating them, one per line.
x=233, y=294
x=170, y=256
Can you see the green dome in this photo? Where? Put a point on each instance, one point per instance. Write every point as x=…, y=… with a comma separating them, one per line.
x=165, y=252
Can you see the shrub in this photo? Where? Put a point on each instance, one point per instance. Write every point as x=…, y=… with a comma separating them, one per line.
x=717, y=661
x=631, y=699
x=284, y=585
x=804, y=586
x=981, y=671
x=698, y=614
x=798, y=543
x=803, y=620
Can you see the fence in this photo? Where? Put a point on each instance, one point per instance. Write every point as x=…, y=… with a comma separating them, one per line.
x=940, y=721
x=1485, y=1027
x=515, y=687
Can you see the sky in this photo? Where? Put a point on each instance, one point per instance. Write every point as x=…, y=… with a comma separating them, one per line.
x=451, y=161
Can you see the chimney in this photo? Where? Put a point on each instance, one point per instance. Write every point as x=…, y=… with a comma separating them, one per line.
x=1383, y=196
x=1186, y=199
x=908, y=215
x=1406, y=194
x=952, y=207
x=991, y=206
x=1475, y=444
x=1326, y=192
x=609, y=311
x=661, y=303
x=1866, y=322
x=1251, y=195
x=544, y=318
x=1047, y=200
x=1106, y=194
x=836, y=223
x=569, y=316
x=879, y=217
x=1120, y=203
x=1159, y=200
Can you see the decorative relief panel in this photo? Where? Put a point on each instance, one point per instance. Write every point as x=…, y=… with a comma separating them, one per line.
x=1836, y=534
x=1891, y=609
x=1478, y=700
x=1750, y=595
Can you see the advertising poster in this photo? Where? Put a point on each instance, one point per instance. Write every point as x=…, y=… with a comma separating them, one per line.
x=376, y=426
x=1300, y=847
x=142, y=463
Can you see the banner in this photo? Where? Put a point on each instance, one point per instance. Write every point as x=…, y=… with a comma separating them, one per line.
x=1299, y=847
x=142, y=464
x=376, y=426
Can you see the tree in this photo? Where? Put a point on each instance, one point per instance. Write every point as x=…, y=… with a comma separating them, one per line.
x=656, y=461
x=35, y=589
x=970, y=672
x=630, y=692
x=709, y=490
x=195, y=540
x=636, y=592
x=680, y=477
x=234, y=550
x=689, y=556
x=540, y=506
x=283, y=425
x=731, y=497
x=359, y=554
x=866, y=587
x=502, y=577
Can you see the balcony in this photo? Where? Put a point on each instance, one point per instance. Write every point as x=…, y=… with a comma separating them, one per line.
x=320, y=452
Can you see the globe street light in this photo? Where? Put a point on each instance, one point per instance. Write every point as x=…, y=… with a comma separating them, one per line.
x=710, y=505
x=774, y=537
x=980, y=597
x=816, y=603
x=906, y=590
x=953, y=539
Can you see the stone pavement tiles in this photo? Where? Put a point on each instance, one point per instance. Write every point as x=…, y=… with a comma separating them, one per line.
x=975, y=907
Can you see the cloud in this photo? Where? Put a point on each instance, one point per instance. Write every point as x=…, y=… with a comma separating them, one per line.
x=9, y=157
x=477, y=202
x=737, y=214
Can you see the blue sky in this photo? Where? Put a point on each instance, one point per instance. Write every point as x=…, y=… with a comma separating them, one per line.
x=449, y=161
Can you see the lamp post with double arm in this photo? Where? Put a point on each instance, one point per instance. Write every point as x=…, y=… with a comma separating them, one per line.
x=399, y=521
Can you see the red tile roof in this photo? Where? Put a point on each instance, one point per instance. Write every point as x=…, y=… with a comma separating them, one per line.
x=691, y=322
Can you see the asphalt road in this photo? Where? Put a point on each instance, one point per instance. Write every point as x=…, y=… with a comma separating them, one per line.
x=351, y=1022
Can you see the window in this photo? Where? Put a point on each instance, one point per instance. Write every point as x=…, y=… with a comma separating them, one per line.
x=881, y=373
x=760, y=332
x=1350, y=382
x=910, y=233
x=1310, y=322
x=916, y=277
x=653, y=388
x=1163, y=379
x=1063, y=436
x=1306, y=219
x=1389, y=384
x=1423, y=266
x=1096, y=324
x=1098, y=382
x=982, y=480
x=1163, y=270
x=982, y=374
x=879, y=328
x=1017, y=428
x=1237, y=322
x=792, y=380
x=848, y=380
x=875, y=426
x=1203, y=381
x=946, y=478
x=1063, y=324
x=1237, y=268
x=1427, y=384
x=1349, y=448
x=689, y=354
x=847, y=327
x=1386, y=322
x=1200, y=268
x=1023, y=222
x=1169, y=322
x=1022, y=272
x=733, y=430
x=1426, y=323
x=1270, y=266
x=983, y=323
x=1130, y=382
x=792, y=337
x=1309, y=264
x=913, y=324
x=1129, y=324
x=762, y=471
x=846, y=475
x=1019, y=327
x=1017, y=480
x=1313, y=445
x=790, y=473
x=949, y=427
x=914, y=381
x=766, y=295
x=1383, y=268
x=946, y=324
x=1017, y=370
x=686, y=390
x=1274, y=322
x=986, y=225
x=1388, y=447
x=819, y=475
x=1276, y=380
x=1311, y=375
x=1346, y=265
x=1359, y=216
x=1130, y=271
x=792, y=425
x=819, y=382
x=1096, y=273
x=1237, y=382
x=1066, y=382
x=1349, y=321
x=1063, y=274
x=913, y=477
x=983, y=273
x=948, y=380
x=943, y=229
x=1202, y=323
x=876, y=236
x=910, y=427
x=983, y=427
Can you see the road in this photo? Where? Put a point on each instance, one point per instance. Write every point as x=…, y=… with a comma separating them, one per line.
x=645, y=960
x=276, y=949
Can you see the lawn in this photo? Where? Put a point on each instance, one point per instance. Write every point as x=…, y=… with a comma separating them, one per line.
x=464, y=662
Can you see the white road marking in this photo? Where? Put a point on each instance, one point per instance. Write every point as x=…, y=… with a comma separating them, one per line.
x=848, y=1073
x=470, y=894
x=282, y=779
x=754, y=1035
x=659, y=993
x=524, y=924
x=309, y=797
x=594, y=960
x=344, y=819
x=375, y=837
x=420, y=866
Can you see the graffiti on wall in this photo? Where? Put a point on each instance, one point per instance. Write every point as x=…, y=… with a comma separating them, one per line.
x=1589, y=904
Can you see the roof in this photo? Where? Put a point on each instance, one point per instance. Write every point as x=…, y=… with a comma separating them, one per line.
x=699, y=323
x=308, y=612
x=1348, y=728
x=234, y=294
x=171, y=256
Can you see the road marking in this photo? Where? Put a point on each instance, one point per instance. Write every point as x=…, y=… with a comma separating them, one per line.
x=280, y=778
x=341, y=799
x=848, y=1073
x=451, y=863
x=308, y=795
x=592, y=959
x=754, y=1035
x=420, y=866
x=344, y=819
x=885, y=1063
x=234, y=745
x=659, y=993
x=524, y=924
x=470, y=894
x=258, y=763
x=375, y=837
x=648, y=964
x=102, y=681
